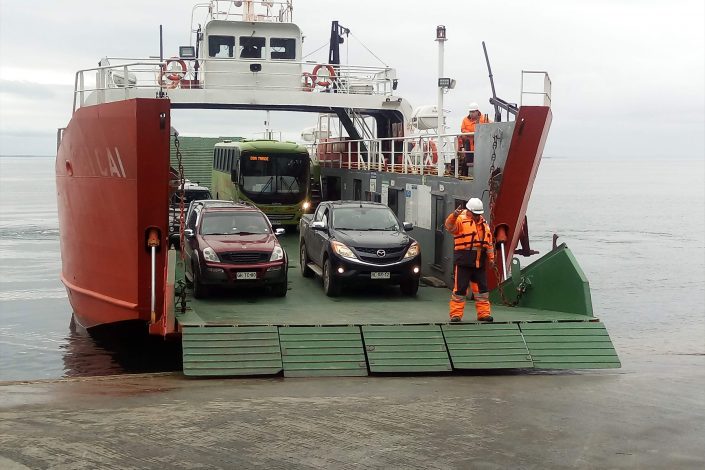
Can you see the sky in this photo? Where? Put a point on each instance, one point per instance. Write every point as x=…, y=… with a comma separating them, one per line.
x=628, y=77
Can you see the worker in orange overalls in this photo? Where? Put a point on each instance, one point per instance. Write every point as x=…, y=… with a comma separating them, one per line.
x=467, y=142
x=473, y=248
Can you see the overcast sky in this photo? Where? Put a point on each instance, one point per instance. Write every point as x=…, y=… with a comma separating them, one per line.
x=628, y=76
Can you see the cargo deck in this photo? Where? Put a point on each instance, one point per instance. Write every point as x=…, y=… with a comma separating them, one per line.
x=374, y=329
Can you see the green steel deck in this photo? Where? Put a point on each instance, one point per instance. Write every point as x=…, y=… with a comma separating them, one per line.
x=370, y=329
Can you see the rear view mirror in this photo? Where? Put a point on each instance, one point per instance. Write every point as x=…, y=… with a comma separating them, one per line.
x=188, y=233
x=279, y=231
x=318, y=225
x=408, y=226
x=233, y=175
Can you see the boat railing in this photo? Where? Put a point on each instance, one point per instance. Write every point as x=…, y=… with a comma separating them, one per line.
x=535, y=83
x=229, y=10
x=422, y=154
x=132, y=76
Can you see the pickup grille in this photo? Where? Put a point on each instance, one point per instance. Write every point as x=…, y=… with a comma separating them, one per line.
x=244, y=257
x=391, y=255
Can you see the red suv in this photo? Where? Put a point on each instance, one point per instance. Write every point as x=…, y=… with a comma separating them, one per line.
x=230, y=245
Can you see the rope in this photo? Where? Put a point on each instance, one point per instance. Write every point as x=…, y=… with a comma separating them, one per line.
x=311, y=53
x=368, y=50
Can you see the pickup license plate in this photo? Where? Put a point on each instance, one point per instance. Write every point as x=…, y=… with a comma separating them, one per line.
x=246, y=275
x=380, y=275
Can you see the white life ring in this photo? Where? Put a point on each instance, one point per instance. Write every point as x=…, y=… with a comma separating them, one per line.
x=326, y=81
x=170, y=75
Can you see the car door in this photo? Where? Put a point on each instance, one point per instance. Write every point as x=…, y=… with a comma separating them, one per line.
x=319, y=237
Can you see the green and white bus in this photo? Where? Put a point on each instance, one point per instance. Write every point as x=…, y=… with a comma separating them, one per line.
x=273, y=175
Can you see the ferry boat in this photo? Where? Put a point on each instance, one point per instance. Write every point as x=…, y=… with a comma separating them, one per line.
x=114, y=185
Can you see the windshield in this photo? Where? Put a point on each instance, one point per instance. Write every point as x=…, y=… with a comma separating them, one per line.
x=275, y=173
x=233, y=223
x=365, y=218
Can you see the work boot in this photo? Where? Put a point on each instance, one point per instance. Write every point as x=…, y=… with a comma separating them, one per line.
x=487, y=319
x=454, y=319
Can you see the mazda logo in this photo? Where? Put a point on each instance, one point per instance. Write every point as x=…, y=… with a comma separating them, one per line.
x=381, y=253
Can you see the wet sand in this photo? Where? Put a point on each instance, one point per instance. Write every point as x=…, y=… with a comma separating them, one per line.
x=649, y=414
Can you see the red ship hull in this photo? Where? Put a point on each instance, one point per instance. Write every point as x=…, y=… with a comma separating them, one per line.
x=112, y=177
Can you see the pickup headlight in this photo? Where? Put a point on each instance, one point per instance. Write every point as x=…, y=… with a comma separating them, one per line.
x=277, y=254
x=209, y=255
x=342, y=250
x=413, y=250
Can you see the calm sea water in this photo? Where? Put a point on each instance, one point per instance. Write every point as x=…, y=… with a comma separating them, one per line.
x=636, y=227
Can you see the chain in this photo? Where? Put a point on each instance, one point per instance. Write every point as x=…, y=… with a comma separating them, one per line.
x=180, y=292
x=182, y=194
x=493, y=187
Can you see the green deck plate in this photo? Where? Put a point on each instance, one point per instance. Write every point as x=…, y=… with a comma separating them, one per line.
x=570, y=345
x=214, y=351
x=322, y=351
x=406, y=348
x=486, y=346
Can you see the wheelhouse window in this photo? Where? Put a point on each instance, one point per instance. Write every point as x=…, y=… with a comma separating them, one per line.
x=221, y=46
x=282, y=48
x=251, y=47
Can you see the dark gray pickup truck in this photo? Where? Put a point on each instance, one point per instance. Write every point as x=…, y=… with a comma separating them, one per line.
x=352, y=241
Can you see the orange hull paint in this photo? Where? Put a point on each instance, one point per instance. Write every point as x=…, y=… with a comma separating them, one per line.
x=112, y=174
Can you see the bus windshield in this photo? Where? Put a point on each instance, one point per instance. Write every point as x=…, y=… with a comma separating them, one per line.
x=274, y=173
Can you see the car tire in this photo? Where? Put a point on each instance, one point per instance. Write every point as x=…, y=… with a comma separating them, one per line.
x=331, y=285
x=279, y=290
x=409, y=287
x=303, y=261
x=199, y=290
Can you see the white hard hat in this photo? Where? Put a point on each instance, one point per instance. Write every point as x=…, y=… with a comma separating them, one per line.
x=474, y=107
x=474, y=205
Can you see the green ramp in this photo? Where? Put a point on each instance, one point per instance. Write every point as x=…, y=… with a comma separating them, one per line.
x=406, y=348
x=322, y=351
x=231, y=350
x=486, y=346
x=570, y=345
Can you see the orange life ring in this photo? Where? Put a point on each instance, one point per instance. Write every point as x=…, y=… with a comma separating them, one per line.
x=309, y=81
x=171, y=76
x=326, y=81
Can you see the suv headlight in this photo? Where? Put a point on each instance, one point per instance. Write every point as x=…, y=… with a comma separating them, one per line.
x=277, y=254
x=342, y=250
x=413, y=250
x=209, y=255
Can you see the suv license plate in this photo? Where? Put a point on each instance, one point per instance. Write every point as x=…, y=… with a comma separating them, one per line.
x=248, y=275
x=382, y=275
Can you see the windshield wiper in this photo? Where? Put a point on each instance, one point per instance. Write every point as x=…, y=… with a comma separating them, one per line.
x=269, y=182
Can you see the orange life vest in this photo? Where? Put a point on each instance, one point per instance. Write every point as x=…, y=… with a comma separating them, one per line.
x=468, y=125
x=471, y=239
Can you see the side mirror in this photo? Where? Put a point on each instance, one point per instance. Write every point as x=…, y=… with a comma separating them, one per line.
x=318, y=225
x=233, y=175
x=188, y=233
x=279, y=231
x=408, y=226
x=175, y=240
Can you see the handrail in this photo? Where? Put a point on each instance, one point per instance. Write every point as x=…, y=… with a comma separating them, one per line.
x=288, y=76
x=417, y=154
